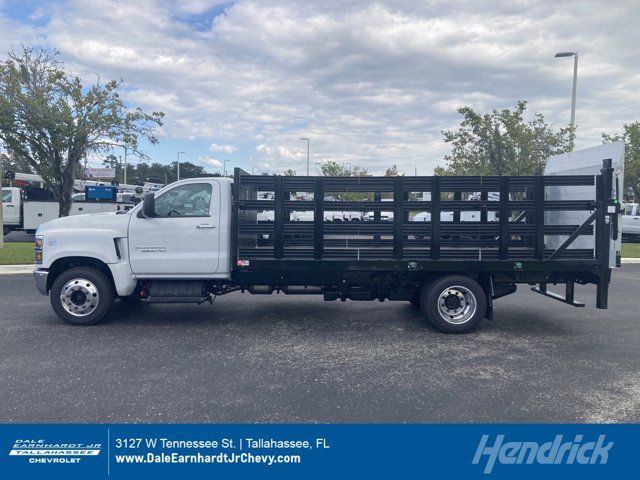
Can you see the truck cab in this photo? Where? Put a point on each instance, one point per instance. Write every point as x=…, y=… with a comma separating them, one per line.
x=87, y=260
x=187, y=234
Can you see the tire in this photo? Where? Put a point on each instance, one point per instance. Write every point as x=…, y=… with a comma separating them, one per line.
x=5, y=231
x=79, y=286
x=454, y=303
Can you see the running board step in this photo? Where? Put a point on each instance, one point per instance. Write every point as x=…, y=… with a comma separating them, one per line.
x=568, y=298
x=177, y=291
x=156, y=299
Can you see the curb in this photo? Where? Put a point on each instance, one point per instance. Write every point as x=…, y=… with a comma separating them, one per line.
x=21, y=269
x=15, y=269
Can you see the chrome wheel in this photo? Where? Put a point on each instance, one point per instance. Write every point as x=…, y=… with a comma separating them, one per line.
x=457, y=304
x=79, y=297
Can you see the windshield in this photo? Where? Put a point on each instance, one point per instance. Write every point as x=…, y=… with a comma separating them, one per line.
x=6, y=196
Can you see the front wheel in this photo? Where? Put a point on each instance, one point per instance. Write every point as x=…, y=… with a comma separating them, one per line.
x=454, y=304
x=81, y=296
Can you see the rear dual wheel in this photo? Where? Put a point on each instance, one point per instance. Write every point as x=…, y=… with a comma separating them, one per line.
x=454, y=303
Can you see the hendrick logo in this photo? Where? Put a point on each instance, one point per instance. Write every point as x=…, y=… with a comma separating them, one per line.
x=554, y=452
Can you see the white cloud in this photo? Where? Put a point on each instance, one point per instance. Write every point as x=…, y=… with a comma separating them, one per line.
x=37, y=14
x=369, y=84
x=214, y=147
x=210, y=161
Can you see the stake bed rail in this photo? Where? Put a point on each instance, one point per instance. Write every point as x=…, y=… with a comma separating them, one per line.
x=493, y=227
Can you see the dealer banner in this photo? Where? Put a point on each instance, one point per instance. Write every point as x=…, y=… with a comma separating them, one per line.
x=317, y=451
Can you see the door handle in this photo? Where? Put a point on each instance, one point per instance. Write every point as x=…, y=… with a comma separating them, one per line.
x=206, y=225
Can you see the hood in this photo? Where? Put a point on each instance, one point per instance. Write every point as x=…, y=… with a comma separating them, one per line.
x=110, y=223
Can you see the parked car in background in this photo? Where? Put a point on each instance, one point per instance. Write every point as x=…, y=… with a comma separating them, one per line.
x=384, y=217
x=631, y=222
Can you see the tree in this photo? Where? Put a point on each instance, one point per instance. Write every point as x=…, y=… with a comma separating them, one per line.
x=51, y=120
x=502, y=143
x=111, y=161
x=187, y=170
x=156, y=172
x=331, y=168
x=392, y=171
x=14, y=164
x=631, y=138
x=289, y=173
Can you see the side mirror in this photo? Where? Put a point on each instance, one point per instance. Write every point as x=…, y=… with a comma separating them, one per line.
x=149, y=206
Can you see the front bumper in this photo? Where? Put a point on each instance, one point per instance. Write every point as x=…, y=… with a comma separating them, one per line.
x=41, y=280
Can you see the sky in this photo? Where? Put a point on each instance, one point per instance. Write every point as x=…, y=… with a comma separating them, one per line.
x=369, y=83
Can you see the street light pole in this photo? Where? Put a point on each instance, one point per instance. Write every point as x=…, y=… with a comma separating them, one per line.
x=178, y=162
x=575, y=85
x=307, y=140
x=573, y=93
x=224, y=174
x=125, y=166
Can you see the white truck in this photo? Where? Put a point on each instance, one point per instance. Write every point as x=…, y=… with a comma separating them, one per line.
x=631, y=222
x=20, y=213
x=199, y=238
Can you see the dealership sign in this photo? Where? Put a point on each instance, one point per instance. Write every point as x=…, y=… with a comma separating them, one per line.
x=100, y=172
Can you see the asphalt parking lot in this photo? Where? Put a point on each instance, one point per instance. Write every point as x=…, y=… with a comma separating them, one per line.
x=300, y=359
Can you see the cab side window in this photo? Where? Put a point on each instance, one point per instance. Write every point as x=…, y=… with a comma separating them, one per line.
x=6, y=196
x=192, y=200
x=628, y=210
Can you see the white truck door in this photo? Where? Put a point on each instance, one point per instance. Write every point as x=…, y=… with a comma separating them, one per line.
x=184, y=237
x=11, y=206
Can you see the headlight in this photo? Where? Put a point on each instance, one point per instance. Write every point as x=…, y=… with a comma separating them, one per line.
x=38, y=249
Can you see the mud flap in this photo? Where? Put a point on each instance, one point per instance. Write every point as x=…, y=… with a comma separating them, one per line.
x=487, y=285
